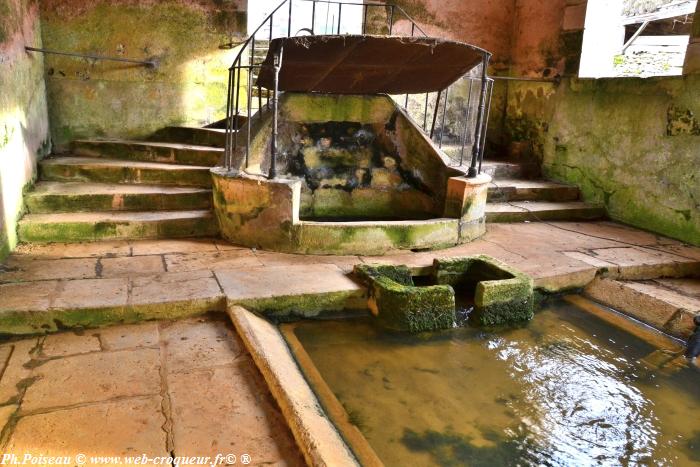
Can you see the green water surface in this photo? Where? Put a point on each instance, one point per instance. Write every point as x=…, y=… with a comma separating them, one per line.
x=566, y=389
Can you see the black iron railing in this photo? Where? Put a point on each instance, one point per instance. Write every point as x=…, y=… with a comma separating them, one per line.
x=459, y=112
x=146, y=63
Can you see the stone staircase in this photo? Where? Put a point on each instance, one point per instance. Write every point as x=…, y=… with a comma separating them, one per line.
x=515, y=196
x=117, y=189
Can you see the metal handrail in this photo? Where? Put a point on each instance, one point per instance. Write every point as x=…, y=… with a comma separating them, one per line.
x=271, y=98
x=149, y=63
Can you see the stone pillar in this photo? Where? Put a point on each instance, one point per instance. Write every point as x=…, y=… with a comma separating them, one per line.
x=692, y=55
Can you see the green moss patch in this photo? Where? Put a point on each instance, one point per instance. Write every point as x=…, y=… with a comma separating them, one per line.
x=502, y=295
x=401, y=306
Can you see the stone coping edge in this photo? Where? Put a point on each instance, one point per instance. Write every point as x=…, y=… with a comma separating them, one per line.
x=315, y=434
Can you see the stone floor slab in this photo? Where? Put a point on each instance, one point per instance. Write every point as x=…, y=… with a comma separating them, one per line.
x=130, y=427
x=93, y=377
x=229, y=259
x=268, y=258
x=70, y=343
x=689, y=287
x=251, y=424
x=27, y=296
x=105, y=249
x=129, y=336
x=127, y=266
x=91, y=294
x=25, y=268
x=17, y=374
x=160, y=247
x=176, y=294
x=278, y=281
x=199, y=343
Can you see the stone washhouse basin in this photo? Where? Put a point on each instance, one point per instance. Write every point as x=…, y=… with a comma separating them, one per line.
x=355, y=175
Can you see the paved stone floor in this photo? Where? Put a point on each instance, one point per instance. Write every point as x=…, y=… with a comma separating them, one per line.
x=187, y=387
x=556, y=254
x=173, y=388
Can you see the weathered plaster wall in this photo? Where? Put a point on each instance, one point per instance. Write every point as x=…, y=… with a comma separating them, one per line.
x=23, y=114
x=99, y=98
x=634, y=145
x=486, y=24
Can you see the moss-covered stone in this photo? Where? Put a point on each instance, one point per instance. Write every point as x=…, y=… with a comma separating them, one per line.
x=629, y=144
x=92, y=98
x=401, y=306
x=502, y=294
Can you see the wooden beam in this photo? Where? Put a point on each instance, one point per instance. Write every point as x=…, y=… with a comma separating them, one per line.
x=681, y=8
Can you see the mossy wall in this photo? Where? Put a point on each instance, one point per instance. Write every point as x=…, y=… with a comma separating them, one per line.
x=631, y=144
x=90, y=98
x=23, y=113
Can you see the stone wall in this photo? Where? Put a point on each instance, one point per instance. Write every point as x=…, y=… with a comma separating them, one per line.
x=111, y=99
x=23, y=114
x=634, y=145
x=630, y=144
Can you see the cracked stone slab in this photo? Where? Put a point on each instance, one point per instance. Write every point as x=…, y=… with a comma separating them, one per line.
x=129, y=427
x=15, y=375
x=231, y=259
x=232, y=412
x=26, y=269
x=93, y=377
x=131, y=266
x=70, y=343
x=199, y=343
x=646, y=263
x=129, y=336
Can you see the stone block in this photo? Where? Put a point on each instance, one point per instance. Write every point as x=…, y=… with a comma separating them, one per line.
x=256, y=212
x=466, y=197
x=502, y=295
x=401, y=306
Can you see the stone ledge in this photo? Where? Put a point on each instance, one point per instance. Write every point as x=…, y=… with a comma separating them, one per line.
x=316, y=436
x=661, y=308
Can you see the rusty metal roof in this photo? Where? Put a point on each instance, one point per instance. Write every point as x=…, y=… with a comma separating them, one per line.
x=368, y=64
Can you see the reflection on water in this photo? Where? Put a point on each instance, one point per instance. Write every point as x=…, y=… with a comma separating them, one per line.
x=566, y=389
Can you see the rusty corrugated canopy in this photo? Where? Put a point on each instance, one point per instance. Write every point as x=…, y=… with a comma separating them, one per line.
x=368, y=64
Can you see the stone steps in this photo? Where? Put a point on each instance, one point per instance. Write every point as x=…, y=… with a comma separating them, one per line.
x=215, y=137
x=52, y=197
x=102, y=170
x=93, y=226
x=146, y=151
x=502, y=190
x=521, y=211
x=498, y=169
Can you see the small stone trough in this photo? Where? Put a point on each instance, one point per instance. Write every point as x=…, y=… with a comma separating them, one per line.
x=501, y=294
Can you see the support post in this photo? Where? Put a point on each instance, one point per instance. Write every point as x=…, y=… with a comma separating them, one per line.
x=476, y=148
x=466, y=122
x=435, y=114
x=229, y=119
x=249, y=91
x=275, y=101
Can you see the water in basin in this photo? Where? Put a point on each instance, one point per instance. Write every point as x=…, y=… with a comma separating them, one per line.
x=566, y=389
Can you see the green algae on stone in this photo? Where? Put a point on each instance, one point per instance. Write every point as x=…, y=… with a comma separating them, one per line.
x=502, y=295
x=401, y=306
